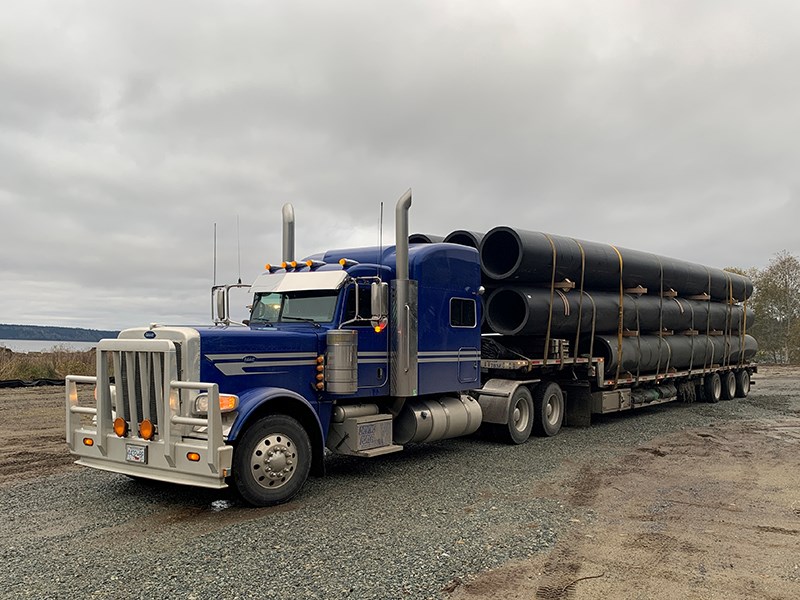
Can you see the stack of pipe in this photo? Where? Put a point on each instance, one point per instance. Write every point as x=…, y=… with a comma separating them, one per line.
x=641, y=312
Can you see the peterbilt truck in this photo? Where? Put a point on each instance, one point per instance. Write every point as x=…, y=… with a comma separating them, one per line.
x=356, y=351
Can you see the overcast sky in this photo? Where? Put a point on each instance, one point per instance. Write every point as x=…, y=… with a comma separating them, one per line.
x=127, y=129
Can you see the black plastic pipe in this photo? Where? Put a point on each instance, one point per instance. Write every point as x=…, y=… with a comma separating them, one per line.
x=649, y=354
x=521, y=310
x=517, y=255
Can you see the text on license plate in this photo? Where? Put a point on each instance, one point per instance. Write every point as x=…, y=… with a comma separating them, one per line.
x=137, y=454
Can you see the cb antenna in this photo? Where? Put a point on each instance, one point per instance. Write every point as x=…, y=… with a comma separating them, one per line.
x=238, y=249
x=380, y=242
x=215, y=254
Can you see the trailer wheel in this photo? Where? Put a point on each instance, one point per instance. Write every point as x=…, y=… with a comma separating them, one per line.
x=728, y=380
x=742, y=383
x=712, y=388
x=272, y=460
x=548, y=402
x=517, y=430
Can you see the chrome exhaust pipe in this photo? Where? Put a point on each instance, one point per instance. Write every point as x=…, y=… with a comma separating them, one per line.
x=288, y=232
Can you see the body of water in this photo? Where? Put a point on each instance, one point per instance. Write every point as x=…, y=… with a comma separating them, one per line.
x=45, y=345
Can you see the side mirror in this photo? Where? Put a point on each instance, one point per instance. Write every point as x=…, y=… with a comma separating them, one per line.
x=221, y=304
x=379, y=295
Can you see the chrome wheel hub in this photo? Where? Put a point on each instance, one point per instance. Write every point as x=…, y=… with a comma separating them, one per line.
x=551, y=411
x=521, y=416
x=273, y=461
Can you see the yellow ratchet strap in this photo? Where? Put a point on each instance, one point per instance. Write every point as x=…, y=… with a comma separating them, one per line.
x=621, y=314
x=552, y=297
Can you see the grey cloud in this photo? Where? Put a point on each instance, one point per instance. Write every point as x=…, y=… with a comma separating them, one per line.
x=125, y=133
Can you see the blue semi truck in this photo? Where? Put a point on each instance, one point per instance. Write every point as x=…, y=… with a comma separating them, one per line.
x=356, y=351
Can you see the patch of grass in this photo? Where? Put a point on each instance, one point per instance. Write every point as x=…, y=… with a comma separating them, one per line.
x=56, y=363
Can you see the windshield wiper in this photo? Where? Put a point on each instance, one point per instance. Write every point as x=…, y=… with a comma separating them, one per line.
x=264, y=322
x=304, y=319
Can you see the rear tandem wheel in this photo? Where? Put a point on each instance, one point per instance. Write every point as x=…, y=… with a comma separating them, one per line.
x=712, y=388
x=728, y=380
x=742, y=383
x=520, y=419
x=548, y=402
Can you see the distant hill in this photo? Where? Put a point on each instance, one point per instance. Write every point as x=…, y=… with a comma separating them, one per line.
x=56, y=334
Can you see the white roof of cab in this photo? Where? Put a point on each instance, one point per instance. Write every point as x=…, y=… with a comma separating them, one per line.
x=298, y=281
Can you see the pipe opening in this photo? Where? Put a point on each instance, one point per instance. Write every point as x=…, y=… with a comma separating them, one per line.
x=507, y=312
x=501, y=253
x=462, y=238
x=424, y=238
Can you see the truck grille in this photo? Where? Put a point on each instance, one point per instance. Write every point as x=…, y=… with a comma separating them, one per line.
x=139, y=378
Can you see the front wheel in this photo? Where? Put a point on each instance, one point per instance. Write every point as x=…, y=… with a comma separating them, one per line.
x=272, y=460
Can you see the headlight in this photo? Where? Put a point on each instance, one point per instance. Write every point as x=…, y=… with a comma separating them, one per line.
x=113, y=389
x=227, y=403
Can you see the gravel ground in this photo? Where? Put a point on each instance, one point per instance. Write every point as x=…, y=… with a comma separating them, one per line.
x=410, y=525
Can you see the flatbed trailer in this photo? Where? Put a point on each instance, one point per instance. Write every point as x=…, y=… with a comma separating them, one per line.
x=585, y=390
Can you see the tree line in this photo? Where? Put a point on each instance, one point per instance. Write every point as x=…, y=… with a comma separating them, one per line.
x=50, y=333
x=776, y=302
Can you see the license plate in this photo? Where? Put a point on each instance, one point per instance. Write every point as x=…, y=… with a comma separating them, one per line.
x=137, y=454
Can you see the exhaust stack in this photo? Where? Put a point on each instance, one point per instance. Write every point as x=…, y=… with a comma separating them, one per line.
x=404, y=312
x=401, y=234
x=288, y=232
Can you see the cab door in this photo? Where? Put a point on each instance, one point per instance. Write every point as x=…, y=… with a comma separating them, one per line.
x=373, y=346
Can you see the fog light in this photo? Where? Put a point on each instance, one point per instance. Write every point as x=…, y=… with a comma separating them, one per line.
x=193, y=456
x=146, y=429
x=120, y=427
x=88, y=442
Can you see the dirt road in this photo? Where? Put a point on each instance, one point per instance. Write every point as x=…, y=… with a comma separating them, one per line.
x=705, y=513
x=710, y=509
x=32, y=434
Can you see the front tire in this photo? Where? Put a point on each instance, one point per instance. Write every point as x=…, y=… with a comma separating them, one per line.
x=548, y=402
x=272, y=461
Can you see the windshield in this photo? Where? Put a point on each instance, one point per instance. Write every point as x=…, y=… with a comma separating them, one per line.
x=316, y=306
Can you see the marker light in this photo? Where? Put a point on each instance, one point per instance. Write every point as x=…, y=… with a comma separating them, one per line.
x=193, y=456
x=346, y=263
x=320, y=377
x=228, y=402
x=381, y=325
x=293, y=264
x=120, y=427
x=88, y=442
x=146, y=429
